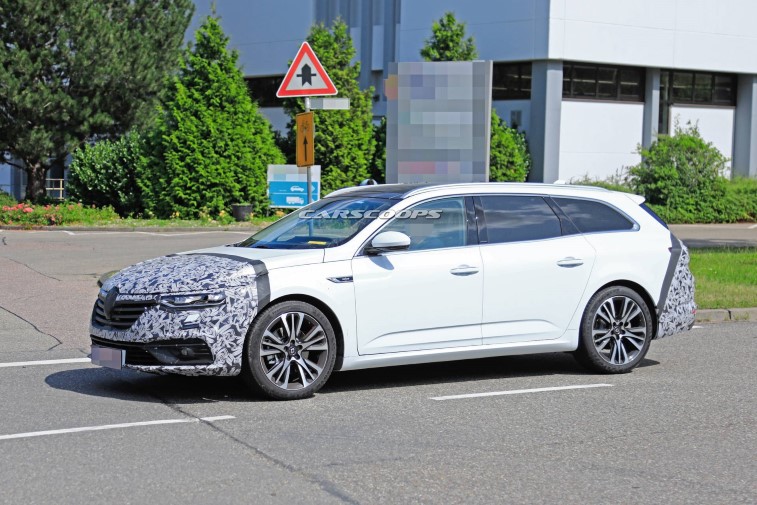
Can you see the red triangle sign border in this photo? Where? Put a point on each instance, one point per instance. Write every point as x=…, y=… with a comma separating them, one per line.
x=283, y=92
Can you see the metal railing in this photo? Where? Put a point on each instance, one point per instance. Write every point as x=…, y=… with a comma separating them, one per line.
x=56, y=188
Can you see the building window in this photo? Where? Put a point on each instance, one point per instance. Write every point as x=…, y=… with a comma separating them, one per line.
x=698, y=87
x=263, y=90
x=511, y=81
x=695, y=88
x=603, y=82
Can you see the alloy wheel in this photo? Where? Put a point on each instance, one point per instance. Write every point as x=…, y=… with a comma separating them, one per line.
x=293, y=351
x=619, y=330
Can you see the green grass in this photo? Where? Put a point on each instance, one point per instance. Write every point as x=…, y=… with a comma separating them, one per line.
x=725, y=278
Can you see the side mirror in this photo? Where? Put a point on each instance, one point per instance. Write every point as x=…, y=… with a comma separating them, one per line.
x=388, y=241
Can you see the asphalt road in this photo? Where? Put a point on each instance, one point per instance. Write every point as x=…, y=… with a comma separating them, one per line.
x=717, y=235
x=679, y=429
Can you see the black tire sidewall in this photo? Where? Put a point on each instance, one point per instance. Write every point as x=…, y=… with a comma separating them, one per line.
x=252, y=370
x=587, y=354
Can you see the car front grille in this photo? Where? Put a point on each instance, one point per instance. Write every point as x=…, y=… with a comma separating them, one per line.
x=123, y=315
x=192, y=351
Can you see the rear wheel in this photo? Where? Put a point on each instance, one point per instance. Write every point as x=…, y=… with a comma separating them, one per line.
x=290, y=351
x=616, y=331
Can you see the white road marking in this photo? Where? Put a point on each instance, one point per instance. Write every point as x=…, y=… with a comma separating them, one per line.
x=112, y=427
x=753, y=227
x=519, y=391
x=45, y=362
x=695, y=327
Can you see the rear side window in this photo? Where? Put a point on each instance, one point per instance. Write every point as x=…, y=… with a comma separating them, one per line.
x=511, y=218
x=591, y=217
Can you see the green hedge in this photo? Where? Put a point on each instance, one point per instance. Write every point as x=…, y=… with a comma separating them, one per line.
x=106, y=173
x=681, y=176
x=737, y=203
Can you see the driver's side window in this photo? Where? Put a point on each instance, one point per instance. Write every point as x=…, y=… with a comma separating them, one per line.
x=435, y=224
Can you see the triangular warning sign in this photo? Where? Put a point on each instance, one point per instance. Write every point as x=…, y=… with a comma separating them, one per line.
x=306, y=76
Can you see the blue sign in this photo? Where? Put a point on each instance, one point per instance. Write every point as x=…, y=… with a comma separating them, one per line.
x=291, y=194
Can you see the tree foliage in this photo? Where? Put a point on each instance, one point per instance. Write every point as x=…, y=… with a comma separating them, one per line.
x=344, y=141
x=71, y=70
x=211, y=145
x=509, y=159
x=106, y=173
x=683, y=173
x=448, y=41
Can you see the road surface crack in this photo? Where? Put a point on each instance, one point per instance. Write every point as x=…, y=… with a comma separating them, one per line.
x=325, y=484
x=32, y=269
x=59, y=342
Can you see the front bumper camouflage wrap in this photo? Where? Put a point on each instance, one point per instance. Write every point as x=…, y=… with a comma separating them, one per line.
x=677, y=308
x=222, y=327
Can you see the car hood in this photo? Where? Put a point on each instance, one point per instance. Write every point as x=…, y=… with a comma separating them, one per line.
x=205, y=270
x=272, y=258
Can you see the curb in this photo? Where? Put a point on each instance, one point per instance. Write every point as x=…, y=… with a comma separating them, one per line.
x=726, y=315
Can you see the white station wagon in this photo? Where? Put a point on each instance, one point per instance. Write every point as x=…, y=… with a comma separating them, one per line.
x=402, y=274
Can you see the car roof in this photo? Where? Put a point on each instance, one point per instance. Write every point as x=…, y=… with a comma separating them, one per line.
x=401, y=191
x=389, y=191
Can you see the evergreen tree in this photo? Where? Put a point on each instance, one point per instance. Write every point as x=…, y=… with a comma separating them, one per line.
x=344, y=143
x=448, y=42
x=211, y=146
x=71, y=70
x=509, y=159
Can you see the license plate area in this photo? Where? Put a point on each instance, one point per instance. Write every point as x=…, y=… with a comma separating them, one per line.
x=107, y=357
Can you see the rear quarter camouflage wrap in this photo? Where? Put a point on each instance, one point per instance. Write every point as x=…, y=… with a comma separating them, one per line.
x=677, y=299
x=222, y=327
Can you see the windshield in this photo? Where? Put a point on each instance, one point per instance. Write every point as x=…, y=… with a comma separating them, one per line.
x=325, y=223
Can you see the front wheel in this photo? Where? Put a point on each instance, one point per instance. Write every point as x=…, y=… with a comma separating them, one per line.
x=290, y=351
x=616, y=330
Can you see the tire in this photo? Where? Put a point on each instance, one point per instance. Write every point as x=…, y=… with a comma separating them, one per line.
x=283, y=363
x=616, y=330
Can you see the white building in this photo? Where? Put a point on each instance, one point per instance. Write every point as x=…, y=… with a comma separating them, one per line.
x=588, y=80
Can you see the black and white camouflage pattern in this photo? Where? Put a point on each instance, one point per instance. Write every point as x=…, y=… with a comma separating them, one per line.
x=181, y=273
x=222, y=327
x=678, y=313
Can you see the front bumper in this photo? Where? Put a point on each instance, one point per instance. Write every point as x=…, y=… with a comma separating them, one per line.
x=161, y=341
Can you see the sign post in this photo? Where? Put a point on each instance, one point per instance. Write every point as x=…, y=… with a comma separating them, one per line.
x=306, y=77
x=305, y=144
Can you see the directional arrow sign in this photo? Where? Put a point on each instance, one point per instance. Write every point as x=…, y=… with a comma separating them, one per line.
x=306, y=76
x=305, y=151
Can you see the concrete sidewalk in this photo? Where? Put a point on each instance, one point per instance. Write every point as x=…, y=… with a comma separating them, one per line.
x=716, y=235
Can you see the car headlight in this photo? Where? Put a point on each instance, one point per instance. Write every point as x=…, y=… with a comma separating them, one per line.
x=192, y=302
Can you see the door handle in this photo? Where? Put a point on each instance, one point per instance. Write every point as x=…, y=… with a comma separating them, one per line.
x=570, y=262
x=464, y=270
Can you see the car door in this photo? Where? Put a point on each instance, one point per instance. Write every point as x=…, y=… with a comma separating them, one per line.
x=426, y=297
x=537, y=268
